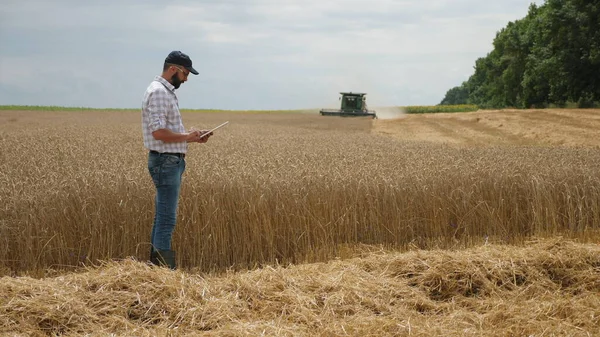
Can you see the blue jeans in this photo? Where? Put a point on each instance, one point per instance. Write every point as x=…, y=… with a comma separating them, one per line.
x=166, y=171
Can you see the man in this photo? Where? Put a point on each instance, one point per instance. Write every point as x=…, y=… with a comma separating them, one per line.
x=167, y=142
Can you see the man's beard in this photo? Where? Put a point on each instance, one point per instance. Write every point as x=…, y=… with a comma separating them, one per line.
x=175, y=81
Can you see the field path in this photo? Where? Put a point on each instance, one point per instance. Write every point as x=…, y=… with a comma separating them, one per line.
x=568, y=127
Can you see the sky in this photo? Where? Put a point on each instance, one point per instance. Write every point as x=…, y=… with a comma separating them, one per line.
x=251, y=55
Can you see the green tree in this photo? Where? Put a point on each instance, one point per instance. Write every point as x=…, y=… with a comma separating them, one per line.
x=551, y=56
x=457, y=95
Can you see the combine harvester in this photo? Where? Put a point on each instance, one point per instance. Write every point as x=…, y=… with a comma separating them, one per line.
x=353, y=105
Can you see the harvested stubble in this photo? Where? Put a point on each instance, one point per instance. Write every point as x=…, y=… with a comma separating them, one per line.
x=549, y=287
x=275, y=188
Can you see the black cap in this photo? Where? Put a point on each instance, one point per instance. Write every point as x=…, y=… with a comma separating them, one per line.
x=179, y=58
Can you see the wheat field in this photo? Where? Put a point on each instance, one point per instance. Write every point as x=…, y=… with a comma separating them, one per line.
x=281, y=189
x=269, y=188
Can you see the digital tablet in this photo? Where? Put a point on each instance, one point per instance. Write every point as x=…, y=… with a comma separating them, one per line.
x=213, y=129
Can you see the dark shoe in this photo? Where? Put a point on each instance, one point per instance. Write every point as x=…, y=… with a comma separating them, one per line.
x=163, y=258
x=154, y=257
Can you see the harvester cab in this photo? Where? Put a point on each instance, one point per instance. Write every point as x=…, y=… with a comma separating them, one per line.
x=352, y=105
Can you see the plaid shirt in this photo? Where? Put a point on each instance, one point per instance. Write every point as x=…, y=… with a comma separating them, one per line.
x=160, y=110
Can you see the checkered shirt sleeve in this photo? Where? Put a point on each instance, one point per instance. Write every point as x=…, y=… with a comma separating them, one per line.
x=160, y=110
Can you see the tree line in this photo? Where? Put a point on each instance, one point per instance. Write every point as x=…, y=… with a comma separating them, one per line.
x=549, y=58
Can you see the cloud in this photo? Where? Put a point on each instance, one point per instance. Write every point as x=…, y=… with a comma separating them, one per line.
x=267, y=54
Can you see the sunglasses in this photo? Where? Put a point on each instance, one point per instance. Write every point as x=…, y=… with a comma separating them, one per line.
x=185, y=73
